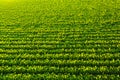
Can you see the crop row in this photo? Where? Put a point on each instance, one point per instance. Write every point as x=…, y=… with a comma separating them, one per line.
x=24, y=42
x=65, y=46
x=52, y=31
x=65, y=32
x=61, y=34
x=99, y=51
x=84, y=31
x=53, y=76
x=63, y=63
x=75, y=34
x=58, y=39
x=57, y=70
x=46, y=27
x=62, y=56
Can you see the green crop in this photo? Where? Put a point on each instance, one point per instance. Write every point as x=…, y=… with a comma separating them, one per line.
x=59, y=40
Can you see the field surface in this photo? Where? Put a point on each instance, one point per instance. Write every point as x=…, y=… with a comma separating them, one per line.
x=59, y=39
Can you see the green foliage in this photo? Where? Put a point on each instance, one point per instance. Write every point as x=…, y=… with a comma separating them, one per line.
x=60, y=40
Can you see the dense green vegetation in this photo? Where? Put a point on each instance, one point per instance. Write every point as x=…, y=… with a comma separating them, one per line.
x=60, y=39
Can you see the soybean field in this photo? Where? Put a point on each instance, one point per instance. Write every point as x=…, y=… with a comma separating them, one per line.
x=59, y=39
